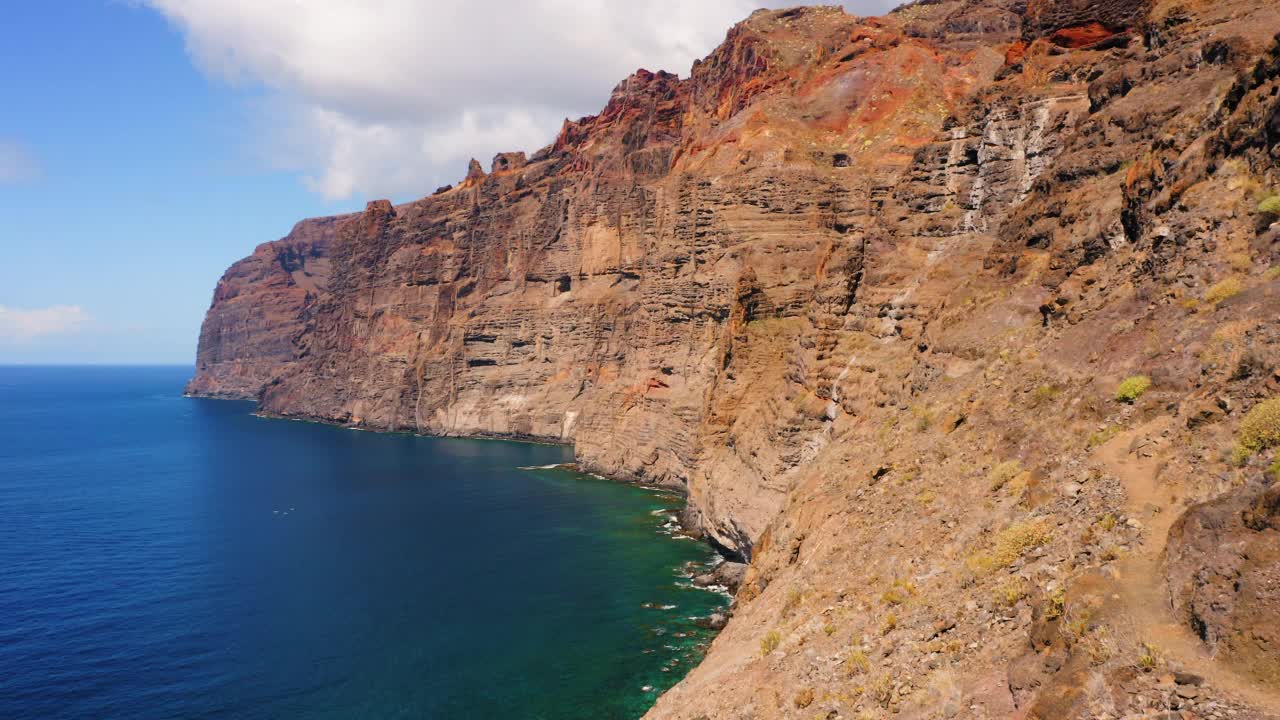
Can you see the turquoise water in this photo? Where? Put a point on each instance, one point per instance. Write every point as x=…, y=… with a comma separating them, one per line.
x=165, y=557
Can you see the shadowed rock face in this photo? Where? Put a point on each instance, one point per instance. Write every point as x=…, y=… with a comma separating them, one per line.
x=1224, y=577
x=1060, y=18
x=827, y=283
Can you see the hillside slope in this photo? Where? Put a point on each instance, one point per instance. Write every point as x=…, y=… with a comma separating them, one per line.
x=866, y=289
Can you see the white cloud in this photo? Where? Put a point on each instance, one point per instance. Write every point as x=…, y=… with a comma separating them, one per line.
x=21, y=326
x=391, y=97
x=17, y=165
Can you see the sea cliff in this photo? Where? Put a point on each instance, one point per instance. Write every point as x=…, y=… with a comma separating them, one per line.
x=866, y=289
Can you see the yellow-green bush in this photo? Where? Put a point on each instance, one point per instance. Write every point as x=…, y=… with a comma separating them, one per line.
x=889, y=625
x=1078, y=626
x=1270, y=206
x=1149, y=659
x=858, y=662
x=770, y=642
x=1260, y=428
x=1057, y=605
x=1102, y=436
x=899, y=592
x=1001, y=474
x=1238, y=456
x=1132, y=388
x=1223, y=290
x=1044, y=394
x=1010, y=591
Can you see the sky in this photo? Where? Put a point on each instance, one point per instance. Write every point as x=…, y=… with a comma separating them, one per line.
x=145, y=145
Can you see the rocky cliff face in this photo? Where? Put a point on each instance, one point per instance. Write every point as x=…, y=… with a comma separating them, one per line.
x=865, y=288
x=250, y=335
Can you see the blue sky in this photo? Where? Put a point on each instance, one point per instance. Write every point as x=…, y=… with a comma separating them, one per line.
x=137, y=192
x=147, y=144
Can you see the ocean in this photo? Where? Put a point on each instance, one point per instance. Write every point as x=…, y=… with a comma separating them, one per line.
x=169, y=557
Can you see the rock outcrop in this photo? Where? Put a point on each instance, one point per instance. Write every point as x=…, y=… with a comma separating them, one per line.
x=864, y=288
x=1224, y=578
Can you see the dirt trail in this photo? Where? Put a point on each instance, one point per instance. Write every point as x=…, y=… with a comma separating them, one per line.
x=1142, y=583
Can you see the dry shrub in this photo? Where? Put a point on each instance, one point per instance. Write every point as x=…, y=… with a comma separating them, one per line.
x=1224, y=290
x=1010, y=545
x=1001, y=474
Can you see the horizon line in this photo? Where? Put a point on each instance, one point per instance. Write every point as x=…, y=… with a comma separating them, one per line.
x=4, y=364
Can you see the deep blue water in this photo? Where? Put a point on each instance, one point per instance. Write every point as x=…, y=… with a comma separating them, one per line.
x=166, y=557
